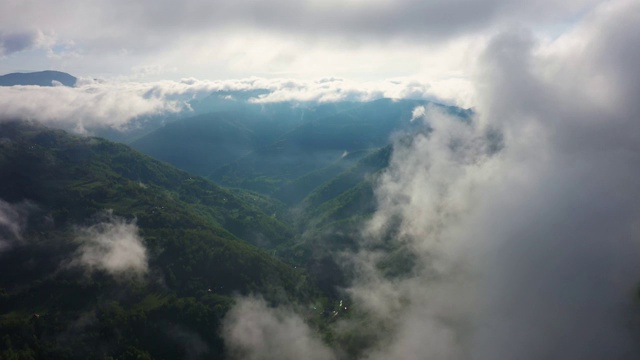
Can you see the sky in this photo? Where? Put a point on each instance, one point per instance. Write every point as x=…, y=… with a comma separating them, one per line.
x=431, y=42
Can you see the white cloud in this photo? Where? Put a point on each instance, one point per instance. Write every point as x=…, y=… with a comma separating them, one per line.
x=15, y=42
x=92, y=104
x=112, y=245
x=418, y=113
x=252, y=330
x=84, y=106
x=424, y=196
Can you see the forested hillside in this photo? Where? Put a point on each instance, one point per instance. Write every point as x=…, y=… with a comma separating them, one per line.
x=187, y=244
x=123, y=253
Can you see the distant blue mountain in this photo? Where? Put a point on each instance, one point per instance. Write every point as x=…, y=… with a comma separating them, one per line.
x=41, y=78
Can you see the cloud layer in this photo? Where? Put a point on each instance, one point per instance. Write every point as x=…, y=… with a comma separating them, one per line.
x=371, y=40
x=94, y=104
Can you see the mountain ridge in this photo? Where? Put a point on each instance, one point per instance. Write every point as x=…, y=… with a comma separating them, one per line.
x=39, y=78
x=204, y=246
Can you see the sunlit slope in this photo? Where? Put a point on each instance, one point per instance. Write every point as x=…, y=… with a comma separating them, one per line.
x=317, y=144
x=81, y=175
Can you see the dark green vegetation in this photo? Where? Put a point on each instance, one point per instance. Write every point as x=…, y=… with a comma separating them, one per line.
x=318, y=143
x=300, y=182
x=198, y=237
x=226, y=128
x=320, y=161
x=284, y=150
x=40, y=78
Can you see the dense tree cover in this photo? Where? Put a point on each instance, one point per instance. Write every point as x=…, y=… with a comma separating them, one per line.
x=91, y=174
x=40, y=78
x=274, y=148
x=317, y=143
x=198, y=238
x=225, y=128
x=302, y=183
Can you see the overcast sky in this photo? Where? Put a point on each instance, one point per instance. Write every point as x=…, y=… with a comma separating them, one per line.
x=431, y=41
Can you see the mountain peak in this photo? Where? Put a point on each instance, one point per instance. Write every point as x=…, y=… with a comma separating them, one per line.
x=40, y=78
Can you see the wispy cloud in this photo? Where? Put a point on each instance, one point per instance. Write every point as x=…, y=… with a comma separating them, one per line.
x=84, y=107
x=194, y=346
x=13, y=222
x=423, y=199
x=112, y=245
x=17, y=41
x=110, y=21
x=252, y=330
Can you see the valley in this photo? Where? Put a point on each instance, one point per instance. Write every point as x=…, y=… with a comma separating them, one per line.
x=298, y=182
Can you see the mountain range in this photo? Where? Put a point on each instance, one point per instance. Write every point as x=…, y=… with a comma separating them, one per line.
x=109, y=249
x=40, y=78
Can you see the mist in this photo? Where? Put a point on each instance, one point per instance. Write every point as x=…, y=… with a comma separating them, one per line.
x=520, y=227
x=120, y=104
x=112, y=245
x=13, y=222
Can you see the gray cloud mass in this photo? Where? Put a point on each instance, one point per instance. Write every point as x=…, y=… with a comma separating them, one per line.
x=115, y=104
x=530, y=252
x=12, y=42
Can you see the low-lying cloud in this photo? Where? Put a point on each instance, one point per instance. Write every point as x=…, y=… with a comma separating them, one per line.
x=91, y=104
x=13, y=222
x=194, y=346
x=112, y=245
x=255, y=331
x=85, y=107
